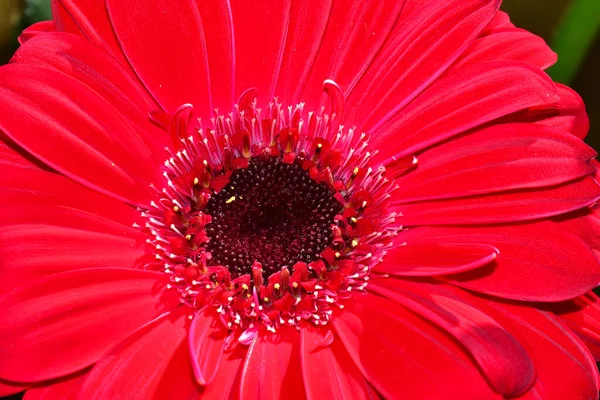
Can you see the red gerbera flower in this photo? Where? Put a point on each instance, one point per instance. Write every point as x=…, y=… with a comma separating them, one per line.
x=357, y=199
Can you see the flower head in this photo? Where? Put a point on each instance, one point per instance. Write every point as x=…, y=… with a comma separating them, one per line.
x=294, y=199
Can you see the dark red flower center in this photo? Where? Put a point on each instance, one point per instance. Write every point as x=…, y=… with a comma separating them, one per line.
x=270, y=212
x=271, y=219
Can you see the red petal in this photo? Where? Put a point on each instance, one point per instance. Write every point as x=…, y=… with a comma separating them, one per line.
x=511, y=206
x=501, y=358
x=537, y=262
x=582, y=315
x=500, y=21
x=67, y=321
x=405, y=357
x=206, y=346
x=328, y=370
x=166, y=50
x=430, y=258
x=347, y=48
x=51, y=114
x=308, y=21
x=102, y=74
x=8, y=388
x=88, y=19
x=272, y=367
x=137, y=365
x=496, y=159
x=465, y=99
x=260, y=30
x=226, y=382
x=36, y=29
x=509, y=44
x=565, y=369
x=586, y=225
x=427, y=38
x=65, y=388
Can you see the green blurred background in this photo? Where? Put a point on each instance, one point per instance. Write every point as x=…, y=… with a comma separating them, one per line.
x=569, y=26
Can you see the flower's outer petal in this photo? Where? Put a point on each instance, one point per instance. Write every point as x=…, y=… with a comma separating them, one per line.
x=500, y=21
x=509, y=44
x=432, y=258
x=463, y=100
x=31, y=251
x=88, y=19
x=500, y=357
x=494, y=160
x=565, y=368
x=568, y=114
x=225, y=385
x=582, y=315
x=101, y=73
x=328, y=370
x=206, y=346
x=167, y=50
x=557, y=261
x=177, y=381
x=510, y=206
x=218, y=31
x=62, y=323
x=259, y=46
x=307, y=25
x=404, y=356
x=36, y=29
x=427, y=38
x=585, y=224
x=272, y=368
x=136, y=366
x=347, y=49
x=9, y=388
x=30, y=185
x=61, y=389
x=51, y=115
x=12, y=156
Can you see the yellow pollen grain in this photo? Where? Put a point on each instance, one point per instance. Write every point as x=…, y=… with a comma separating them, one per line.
x=337, y=254
x=354, y=243
x=353, y=220
x=277, y=286
x=196, y=181
x=355, y=171
x=229, y=200
x=244, y=287
x=205, y=163
x=266, y=299
x=319, y=145
x=176, y=209
x=295, y=285
x=188, y=237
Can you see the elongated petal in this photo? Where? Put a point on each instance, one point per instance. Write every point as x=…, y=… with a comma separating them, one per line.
x=36, y=29
x=582, y=315
x=206, y=346
x=499, y=158
x=511, y=206
x=101, y=73
x=427, y=38
x=62, y=323
x=136, y=366
x=559, y=263
x=501, y=358
x=401, y=355
x=10, y=388
x=465, y=99
x=509, y=44
x=565, y=368
x=259, y=47
x=226, y=382
x=155, y=45
x=347, y=49
x=431, y=258
x=50, y=115
x=272, y=367
x=64, y=388
x=328, y=370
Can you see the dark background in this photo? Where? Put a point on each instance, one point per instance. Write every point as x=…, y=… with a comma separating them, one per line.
x=542, y=17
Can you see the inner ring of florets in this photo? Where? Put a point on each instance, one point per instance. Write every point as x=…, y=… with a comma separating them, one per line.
x=271, y=218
